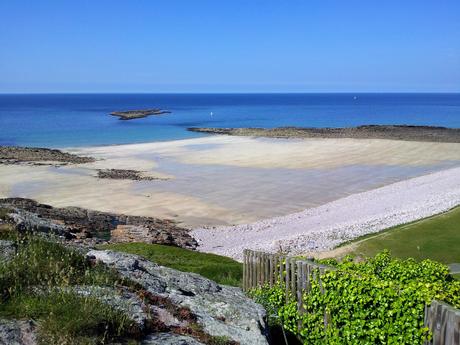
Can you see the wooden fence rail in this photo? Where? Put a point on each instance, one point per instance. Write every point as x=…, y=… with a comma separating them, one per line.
x=296, y=275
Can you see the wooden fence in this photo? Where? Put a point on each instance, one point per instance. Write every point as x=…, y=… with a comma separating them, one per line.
x=444, y=321
x=296, y=275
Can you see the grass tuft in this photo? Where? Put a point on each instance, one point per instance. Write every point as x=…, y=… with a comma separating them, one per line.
x=32, y=285
x=67, y=318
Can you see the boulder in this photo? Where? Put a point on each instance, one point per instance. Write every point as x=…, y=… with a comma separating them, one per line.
x=222, y=311
x=15, y=332
x=121, y=299
x=169, y=339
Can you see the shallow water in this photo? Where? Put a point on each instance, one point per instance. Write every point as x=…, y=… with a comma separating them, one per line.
x=228, y=180
x=64, y=120
x=257, y=193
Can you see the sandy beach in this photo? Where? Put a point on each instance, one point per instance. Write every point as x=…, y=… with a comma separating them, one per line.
x=321, y=228
x=224, y=181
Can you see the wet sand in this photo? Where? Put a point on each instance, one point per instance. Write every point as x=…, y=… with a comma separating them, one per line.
x=222, y=180
x=322, y=228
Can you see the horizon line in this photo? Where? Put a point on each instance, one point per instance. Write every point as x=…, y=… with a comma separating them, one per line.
x=230, y=93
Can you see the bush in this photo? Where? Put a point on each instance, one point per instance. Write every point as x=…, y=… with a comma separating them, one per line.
x=378, y=301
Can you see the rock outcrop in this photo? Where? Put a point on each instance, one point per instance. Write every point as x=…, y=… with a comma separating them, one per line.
x=39, y=156
x=125, y=174
x=393, y=132
x=7, y=250
x=169, y=339
x=17, y=332
x=137, y=114
x=73, y=223
x=221, y=311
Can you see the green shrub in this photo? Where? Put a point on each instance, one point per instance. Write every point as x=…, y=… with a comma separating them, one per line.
x=378, y=301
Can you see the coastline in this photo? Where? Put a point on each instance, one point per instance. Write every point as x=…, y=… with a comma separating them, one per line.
x=219, y=181
x=325, y=227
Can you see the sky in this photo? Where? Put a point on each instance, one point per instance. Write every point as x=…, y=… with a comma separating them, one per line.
x=229, y=46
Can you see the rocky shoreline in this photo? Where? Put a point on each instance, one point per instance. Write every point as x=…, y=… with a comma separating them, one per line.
x=393, y=132
x=88, y=226
x=39, y=156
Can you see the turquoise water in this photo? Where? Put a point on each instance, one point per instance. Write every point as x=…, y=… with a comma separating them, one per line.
x=82, y=119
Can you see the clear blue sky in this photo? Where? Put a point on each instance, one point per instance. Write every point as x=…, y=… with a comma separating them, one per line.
x=229, y=46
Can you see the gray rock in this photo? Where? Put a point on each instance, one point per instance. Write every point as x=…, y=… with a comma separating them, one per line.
x=220, y=310
x=28, y=221
x=78, y=224
x=169, y=339
x=7, y=250
x=14, y=332
x=121, y=299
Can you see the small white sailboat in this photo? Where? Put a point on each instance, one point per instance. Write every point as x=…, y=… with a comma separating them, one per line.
x=211, y=114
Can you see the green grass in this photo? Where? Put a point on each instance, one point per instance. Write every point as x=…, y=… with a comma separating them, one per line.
x=221, y=269
x=436, y=238
x=67, y=318
x=33, y=283
x=3, y=212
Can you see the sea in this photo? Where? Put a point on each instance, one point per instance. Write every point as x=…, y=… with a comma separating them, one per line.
x=72, y=120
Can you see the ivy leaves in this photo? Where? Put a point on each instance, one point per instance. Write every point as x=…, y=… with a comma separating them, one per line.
x=377, y=301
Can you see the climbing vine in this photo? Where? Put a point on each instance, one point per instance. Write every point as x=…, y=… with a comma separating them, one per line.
x=377, y=301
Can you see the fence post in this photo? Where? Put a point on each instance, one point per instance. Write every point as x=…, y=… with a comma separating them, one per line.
x=270, y=267
x=299, y=285
x=245, y=268
x=293, y=277
x=281, y=269
x=254, y=269
x=275, y=268
x=288, y=287
x=444, y=322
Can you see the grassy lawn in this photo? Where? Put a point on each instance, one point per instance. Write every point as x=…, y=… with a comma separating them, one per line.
x=436, y=238
x=218, y=268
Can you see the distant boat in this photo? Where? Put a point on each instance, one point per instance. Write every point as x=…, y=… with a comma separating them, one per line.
x=355, y=97
x=211, y=113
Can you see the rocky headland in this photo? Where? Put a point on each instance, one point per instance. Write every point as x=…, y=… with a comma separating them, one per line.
x=89, y=226
x=137, y=114
x=393, y=132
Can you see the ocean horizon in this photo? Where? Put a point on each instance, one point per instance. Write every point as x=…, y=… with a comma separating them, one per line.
x=73, y=120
